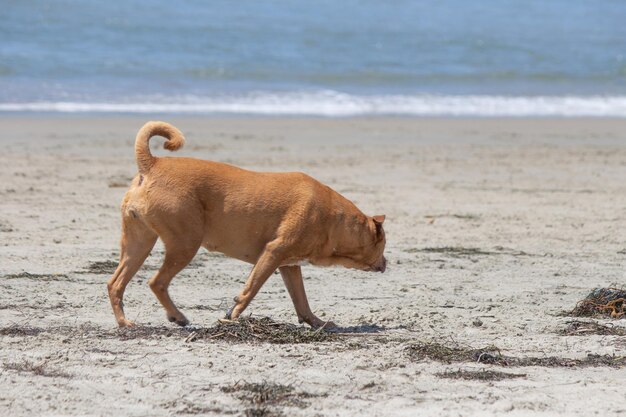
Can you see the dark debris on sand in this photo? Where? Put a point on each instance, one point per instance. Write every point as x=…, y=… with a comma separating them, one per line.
x=602, y=302
x=446, y=354
x=492, y=355
x=243, y=330
x=148, y=332
x=460, y=251
x=38, y=277
x=17, y=330
x=101, y=267
x=40, y=370
x=262, y=399
x=583, y=328
x=452, y=251
x=264, y=329
x=479, y=375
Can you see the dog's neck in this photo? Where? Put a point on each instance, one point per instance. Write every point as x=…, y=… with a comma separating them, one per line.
x=350, y=232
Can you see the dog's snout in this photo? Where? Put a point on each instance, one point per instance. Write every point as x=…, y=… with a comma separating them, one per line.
x=383, y=265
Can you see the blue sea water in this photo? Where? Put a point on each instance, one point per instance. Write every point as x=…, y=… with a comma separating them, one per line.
x=335, y=58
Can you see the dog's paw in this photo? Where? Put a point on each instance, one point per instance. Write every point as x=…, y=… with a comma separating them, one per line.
x=125, y=323
x=326, y=325
x=178, y=320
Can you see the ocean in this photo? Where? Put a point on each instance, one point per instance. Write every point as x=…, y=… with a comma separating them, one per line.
x=320, y=58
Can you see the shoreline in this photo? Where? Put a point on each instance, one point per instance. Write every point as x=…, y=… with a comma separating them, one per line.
x=328, y=103
x=299, y=130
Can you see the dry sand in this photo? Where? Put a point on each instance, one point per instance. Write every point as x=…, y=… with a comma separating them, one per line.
x=494, y=228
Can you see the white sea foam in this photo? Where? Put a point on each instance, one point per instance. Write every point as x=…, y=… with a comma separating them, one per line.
x=333, y=104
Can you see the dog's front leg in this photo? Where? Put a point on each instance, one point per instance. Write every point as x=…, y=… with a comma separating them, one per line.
x=265, y=266
x=292, y=276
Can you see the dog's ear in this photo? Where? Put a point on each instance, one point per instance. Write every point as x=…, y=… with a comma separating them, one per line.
x=378, y=222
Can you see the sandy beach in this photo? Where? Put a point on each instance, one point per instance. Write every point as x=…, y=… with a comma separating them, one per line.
x=495, y=227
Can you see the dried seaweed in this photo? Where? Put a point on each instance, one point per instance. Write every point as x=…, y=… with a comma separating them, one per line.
x=250, y=329
x=38, y=277
x=261, y=399
x=446, y=354
x=479, y=375
x=243, y=330
x=17, y=330
x=188, y=407
x=461, y=252
x=432, y=217
x=580, y=328
x=602, y=302
x=148, y=332
x=492, y=355
x=40, y=369
x=261, y=393
x=453, y=251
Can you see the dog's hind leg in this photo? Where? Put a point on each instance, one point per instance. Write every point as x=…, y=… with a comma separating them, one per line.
x=137, y=242
x=267, y=263
x=292, y=276
x=179, y=251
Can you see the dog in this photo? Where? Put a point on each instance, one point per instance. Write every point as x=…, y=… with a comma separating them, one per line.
x=271, y=220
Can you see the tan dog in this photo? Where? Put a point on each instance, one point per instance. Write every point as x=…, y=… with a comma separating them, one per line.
x=272, y=220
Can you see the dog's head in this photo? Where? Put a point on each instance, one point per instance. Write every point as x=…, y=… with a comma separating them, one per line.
x=365, y=251
x=375, y=253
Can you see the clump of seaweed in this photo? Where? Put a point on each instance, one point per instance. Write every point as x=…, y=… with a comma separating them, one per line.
x=264, y=329
x=580, y=328
x=263, y=398
x=38, y=277
x=243, y=330
x=479, y=375
x=461, y=252
x=492, y=355
x=188, y=407
x=148, y=332
x=602, y=302
x=446, y=354
x=84, y=330
x=453, y=251
x=261, y=393
x=40, y=369
x=17, y=330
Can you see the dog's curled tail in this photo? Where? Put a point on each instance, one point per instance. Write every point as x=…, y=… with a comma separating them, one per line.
x=175, y=140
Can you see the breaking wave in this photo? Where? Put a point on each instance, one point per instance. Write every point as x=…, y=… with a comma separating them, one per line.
x=334, y=104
